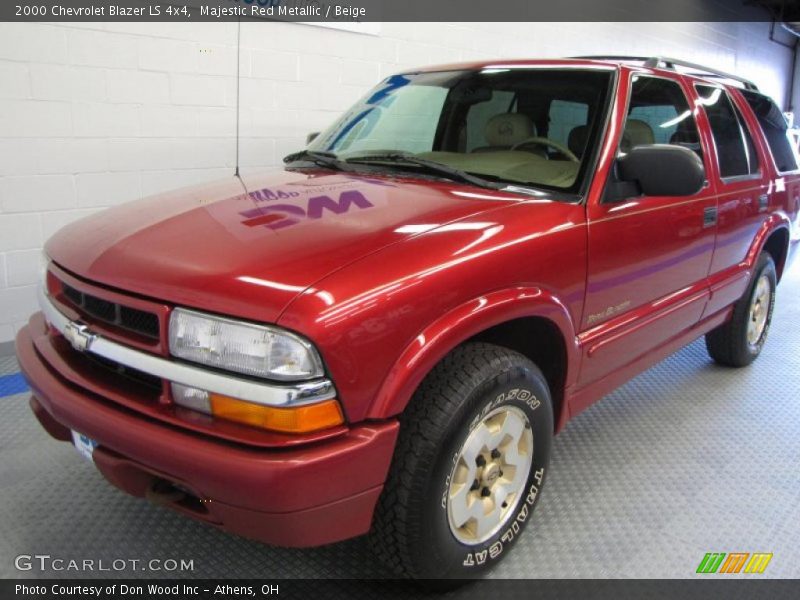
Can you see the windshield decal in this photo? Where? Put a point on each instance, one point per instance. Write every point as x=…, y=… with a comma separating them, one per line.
x=381, y=96
x=395, y=82
x=349, y=127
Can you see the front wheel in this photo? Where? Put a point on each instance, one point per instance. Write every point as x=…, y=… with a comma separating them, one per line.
x=469, y=467
x=738, y=342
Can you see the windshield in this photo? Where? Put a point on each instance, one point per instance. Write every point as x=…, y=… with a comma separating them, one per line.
x=522, y=126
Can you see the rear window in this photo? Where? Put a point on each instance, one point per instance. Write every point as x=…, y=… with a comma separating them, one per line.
x=775, y=130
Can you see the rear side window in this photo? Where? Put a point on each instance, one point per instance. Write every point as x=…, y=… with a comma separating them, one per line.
x=775, y=130
x=736, y=151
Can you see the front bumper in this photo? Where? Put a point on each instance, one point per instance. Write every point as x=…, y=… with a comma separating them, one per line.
x=303, y=496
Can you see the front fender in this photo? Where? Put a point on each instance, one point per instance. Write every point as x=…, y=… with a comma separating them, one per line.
x=460, y=324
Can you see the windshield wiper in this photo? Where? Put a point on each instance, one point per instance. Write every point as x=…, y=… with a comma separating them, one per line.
x=429, y=165
x=322, y=159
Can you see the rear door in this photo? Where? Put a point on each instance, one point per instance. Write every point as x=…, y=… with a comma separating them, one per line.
x=648, y=256
x=742, y=184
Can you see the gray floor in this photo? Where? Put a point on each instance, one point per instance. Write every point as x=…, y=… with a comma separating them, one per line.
x=686, y=459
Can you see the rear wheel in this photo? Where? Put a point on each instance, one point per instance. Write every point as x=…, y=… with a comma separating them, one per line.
x=469, y=466
x=738, y=342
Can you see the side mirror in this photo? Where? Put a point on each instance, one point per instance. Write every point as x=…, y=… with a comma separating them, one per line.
x=311, y=137
x=662, y=170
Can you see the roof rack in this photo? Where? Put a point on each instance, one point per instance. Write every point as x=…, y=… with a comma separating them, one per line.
x=655, y=62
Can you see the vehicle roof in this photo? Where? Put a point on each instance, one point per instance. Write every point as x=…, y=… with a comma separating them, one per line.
x=615, y=63
x=514, y=62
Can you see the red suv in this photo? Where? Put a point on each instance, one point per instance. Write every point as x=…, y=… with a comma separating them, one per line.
x=384, y=336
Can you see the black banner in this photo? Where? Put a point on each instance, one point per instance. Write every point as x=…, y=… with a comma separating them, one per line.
x=343, y=11
x=717, y=587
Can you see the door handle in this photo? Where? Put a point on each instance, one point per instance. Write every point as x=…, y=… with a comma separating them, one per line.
x=709, y=216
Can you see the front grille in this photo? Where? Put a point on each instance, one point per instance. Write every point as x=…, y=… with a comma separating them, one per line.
x=100, y=309
x=135, y=320
x=141, y=377
x=74, y=295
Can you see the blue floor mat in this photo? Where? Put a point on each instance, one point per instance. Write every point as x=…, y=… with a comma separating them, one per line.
x=12, y=384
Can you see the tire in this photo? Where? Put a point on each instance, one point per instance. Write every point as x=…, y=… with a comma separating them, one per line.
x=476, y=390
x=738, y=342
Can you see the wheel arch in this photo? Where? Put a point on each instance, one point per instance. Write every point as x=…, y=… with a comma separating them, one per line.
x=773, y=237
x=777, y=245
x=538, y=339
x=531, y=321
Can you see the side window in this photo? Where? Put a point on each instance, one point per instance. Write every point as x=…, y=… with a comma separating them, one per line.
x=736, y=152
x=479, y=114
x=659, y=113
x=775, y=130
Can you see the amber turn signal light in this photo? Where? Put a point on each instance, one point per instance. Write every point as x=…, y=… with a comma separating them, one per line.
x=300, y=419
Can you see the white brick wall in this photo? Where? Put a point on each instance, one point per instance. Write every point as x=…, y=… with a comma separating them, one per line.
x=92, y=115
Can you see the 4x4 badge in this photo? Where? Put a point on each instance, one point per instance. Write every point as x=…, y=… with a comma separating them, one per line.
x=79, y=336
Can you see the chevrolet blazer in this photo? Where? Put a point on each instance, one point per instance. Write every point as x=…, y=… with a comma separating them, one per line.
x=383, y=337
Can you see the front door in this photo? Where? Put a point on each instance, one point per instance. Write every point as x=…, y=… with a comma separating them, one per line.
x=648, y=256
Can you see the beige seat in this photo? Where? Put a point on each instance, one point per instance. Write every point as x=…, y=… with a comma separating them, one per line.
x=506, y=130
x=637, y=133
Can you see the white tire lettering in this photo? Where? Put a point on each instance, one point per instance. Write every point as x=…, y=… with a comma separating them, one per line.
x=495, y=549
x=447, y=482
x=539, y=475
x=523, y=514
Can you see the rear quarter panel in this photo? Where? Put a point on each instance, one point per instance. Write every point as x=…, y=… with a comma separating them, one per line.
x=783, y=190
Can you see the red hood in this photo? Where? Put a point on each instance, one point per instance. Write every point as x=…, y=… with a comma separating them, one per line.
x=218, y=248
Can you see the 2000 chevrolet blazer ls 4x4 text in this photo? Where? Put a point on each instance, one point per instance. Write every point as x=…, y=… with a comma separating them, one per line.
x=384, y=336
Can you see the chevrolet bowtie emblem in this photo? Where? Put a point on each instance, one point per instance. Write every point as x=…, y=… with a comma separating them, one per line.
x=79, y=336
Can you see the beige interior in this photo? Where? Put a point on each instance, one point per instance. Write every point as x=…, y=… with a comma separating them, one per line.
x=507, y=129
x=637, y=133
x=514, y=165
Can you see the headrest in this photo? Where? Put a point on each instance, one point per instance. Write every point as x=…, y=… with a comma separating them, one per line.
x=576, y=140
x=637, y=133
x=507, y=129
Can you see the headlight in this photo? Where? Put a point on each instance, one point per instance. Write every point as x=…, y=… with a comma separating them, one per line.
x=242, y=347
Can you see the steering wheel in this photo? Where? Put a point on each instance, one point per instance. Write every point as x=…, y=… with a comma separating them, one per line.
x=540, y=141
